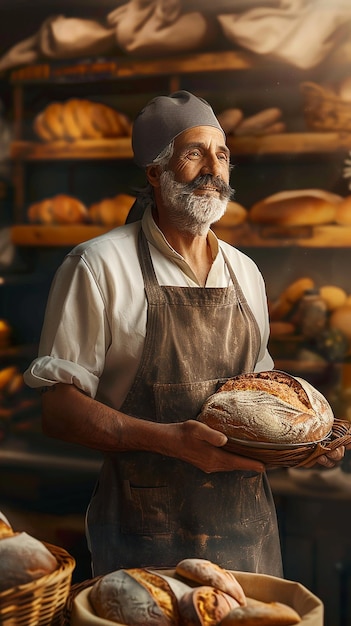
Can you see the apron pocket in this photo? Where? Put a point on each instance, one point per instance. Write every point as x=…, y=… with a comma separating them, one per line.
x=181, y=402
x=145, y=510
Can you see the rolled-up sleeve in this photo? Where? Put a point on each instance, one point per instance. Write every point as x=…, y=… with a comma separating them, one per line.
x=76, y=332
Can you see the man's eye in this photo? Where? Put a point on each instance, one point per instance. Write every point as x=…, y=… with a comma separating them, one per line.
x=223, y=157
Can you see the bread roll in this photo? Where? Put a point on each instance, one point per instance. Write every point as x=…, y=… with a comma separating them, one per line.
x=234, y=215
x=269, y=407
x=23, y=559
x=205, y=606
x=210, y=574
x=137, y=597
x=296, y=208
x=52, y=120
x=111, y=211
x=60, y=209
x=281, y=308
x=341, y=319
x=257, y=613
x=259, y=121
x=333, y=296
x=229, y=119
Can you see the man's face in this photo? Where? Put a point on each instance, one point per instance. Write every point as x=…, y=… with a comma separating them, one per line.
x=195, y=187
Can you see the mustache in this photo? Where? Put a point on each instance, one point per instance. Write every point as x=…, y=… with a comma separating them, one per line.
x=223, y=188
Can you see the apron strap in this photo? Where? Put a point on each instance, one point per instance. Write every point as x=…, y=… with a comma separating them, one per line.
x=152, y=289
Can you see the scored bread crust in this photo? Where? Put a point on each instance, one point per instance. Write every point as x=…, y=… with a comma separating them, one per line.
x=205, y=572
x=269, y=407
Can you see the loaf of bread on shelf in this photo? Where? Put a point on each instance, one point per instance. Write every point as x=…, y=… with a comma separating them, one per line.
x=111, y=211
x=269, y=407
x=296, y=208
x=77, y=119
x=283, y=305
x=23, y=558
x=264, y=122
x=60, y=209
x=234, y=215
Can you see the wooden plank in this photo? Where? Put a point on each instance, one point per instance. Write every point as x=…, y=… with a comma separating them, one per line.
x=120, y=148
x=127, y=67
x=290, y=143
x=55, y=235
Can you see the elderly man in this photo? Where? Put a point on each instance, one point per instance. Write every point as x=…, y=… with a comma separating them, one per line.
x=141, y=326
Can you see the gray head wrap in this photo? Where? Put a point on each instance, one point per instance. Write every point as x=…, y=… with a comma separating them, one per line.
x=165, y=117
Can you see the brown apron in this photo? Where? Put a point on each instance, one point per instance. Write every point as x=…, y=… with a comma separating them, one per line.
x=152, y=510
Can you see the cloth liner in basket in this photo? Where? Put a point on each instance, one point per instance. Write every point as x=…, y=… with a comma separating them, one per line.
x=78, y=611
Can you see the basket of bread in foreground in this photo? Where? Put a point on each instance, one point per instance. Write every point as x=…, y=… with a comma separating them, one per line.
x=197, y=592
x=276, y=418
x=35, y=579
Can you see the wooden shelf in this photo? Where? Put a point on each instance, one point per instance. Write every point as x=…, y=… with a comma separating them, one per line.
x=285, y=143
x=244, y=236
x=55, y=235
x=127, y=67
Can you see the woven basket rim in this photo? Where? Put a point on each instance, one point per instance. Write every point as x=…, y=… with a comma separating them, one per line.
x=66, y=564
x=303, y=456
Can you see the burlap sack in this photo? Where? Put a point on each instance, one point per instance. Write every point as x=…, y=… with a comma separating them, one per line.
x=258, y=586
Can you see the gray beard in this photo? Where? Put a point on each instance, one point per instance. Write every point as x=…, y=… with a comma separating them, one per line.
x=188, y=212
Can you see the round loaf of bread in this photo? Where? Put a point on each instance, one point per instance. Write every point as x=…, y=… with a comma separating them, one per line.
x=302, y=207
x=137, y=596
x=269, y=407
x=23, y=559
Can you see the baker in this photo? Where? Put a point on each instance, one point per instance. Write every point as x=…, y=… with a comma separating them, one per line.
x=141, y=326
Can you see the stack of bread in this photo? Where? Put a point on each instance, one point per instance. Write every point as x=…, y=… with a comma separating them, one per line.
x=200, y=594
x=77, y=119
x=265, y=122
x=59, y=209
x=332, y=339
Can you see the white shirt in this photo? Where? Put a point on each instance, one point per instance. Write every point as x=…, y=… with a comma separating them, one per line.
x=95, y=321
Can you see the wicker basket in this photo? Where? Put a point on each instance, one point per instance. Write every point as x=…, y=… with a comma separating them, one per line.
x=300, y=456
x=323, y=110
x=40, y=602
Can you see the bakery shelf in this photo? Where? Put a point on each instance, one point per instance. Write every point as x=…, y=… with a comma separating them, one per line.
x=126, y=67
x=244, y=236
x=285, y=143
x=55, y=235
x=65, y=150
x=324, y=236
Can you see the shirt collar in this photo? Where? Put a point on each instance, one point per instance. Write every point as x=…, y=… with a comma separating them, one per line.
x=156, y=237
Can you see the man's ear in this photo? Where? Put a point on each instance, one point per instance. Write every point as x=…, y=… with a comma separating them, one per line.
x=153, y=173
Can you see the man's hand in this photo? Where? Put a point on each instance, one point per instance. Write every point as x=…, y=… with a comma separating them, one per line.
x=330, y=459
x=202, y=446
